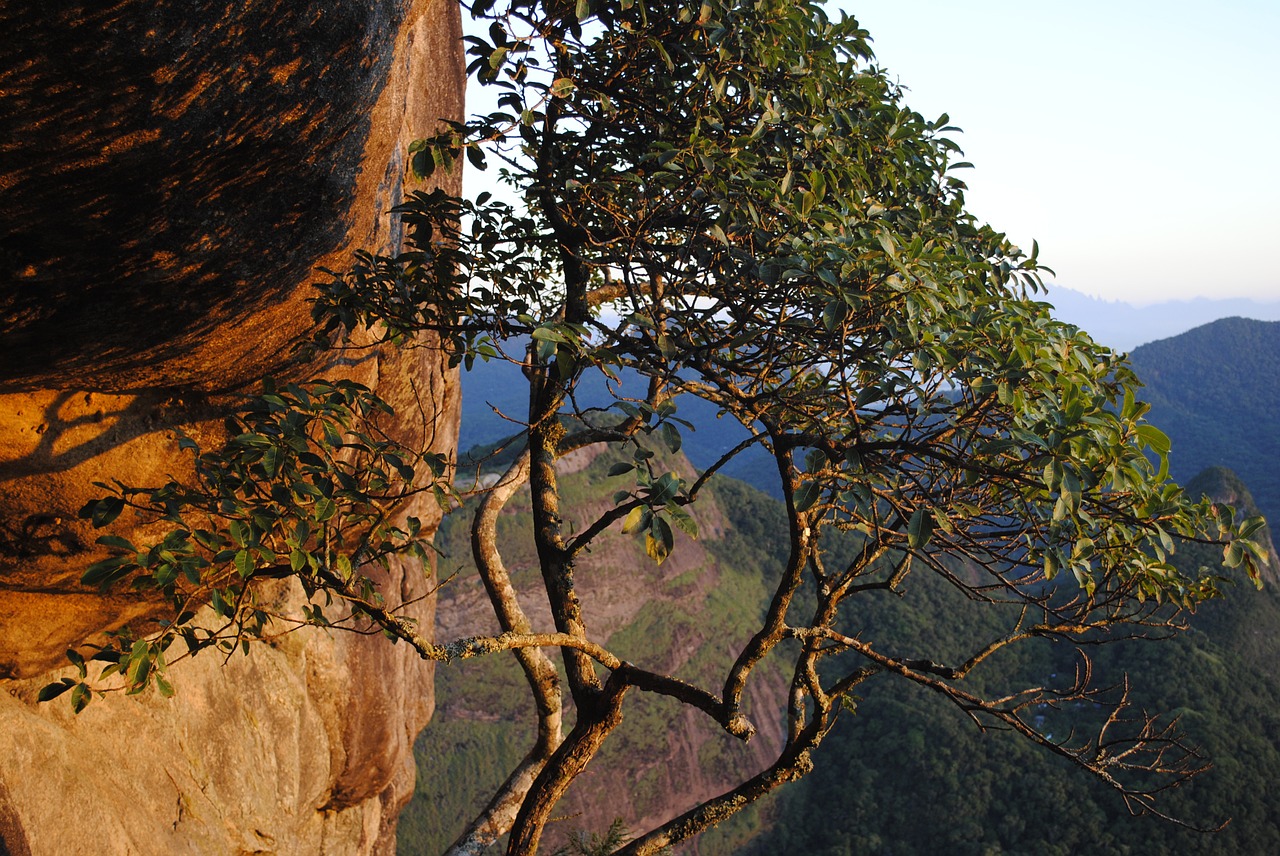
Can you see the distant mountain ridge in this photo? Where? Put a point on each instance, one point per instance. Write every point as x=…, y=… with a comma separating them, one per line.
x=494, y=396
x=1124, y=326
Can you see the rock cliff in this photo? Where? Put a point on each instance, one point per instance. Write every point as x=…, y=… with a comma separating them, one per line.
x=171, y=175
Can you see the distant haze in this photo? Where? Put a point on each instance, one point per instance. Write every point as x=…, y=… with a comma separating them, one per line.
x=1123, y=326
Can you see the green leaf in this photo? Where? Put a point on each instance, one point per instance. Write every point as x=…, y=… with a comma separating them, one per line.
x=422, y=164
x=943, y=521
x=1232, y=555
x=1052, y=563
x=664, y=489
x=271, y=461
x=920, y=528
x=807, y=201
x=117, y=543
x=80, y=697
x=78, y=661
x=683, y=520
x=671, y=435
x=139, y=665
x=661, y=51
x=102, y=512
x=332, y=438
x=108, y=571
x=620, y=469
x=886, y=243
x=1071, y=490
x=562, y=87
x=1251, y=525
x=51, y=691
x=1155, y=439
x=219, y=604
x=548, y=334
x=808, y=494
x=325, y=509
x=833, y=314
x=1084, y=578
x=659, y=540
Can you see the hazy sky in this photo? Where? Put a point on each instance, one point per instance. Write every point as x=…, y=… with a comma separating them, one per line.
x=1138, y=142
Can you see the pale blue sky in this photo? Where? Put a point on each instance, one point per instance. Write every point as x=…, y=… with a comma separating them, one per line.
x=1138, y=141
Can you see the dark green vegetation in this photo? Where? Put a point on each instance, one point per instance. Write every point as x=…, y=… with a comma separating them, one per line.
x=1213, y=389
x=909, y=775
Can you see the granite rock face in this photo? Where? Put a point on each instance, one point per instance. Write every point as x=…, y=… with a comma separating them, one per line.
x=171, y=176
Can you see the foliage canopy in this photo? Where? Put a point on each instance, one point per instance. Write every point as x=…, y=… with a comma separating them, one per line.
x=730, y=201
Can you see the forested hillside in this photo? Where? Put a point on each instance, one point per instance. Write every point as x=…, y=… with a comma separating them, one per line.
x=903, y=772
x=685, y=610
x=907, y=775
x=1213, y=390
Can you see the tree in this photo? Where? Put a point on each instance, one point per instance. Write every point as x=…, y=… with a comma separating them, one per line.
x=727, y=201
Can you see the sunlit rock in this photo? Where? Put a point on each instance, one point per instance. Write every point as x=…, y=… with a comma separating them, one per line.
x=171, y=177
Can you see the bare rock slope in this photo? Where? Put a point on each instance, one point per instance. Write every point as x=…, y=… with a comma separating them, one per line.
x=171, y=175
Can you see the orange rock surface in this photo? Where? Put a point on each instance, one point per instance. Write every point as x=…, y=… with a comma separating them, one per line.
x=171, y=176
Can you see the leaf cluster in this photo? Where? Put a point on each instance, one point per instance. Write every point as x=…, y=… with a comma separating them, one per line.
x=306, y=486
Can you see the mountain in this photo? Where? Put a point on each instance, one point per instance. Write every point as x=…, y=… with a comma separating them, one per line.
x=1214, y=391
x=905, y=774
x=674, y=617
x=908, y=775
x=1124, y=326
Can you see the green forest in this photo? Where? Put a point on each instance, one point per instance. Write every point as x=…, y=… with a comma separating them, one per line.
x=1213, y=389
